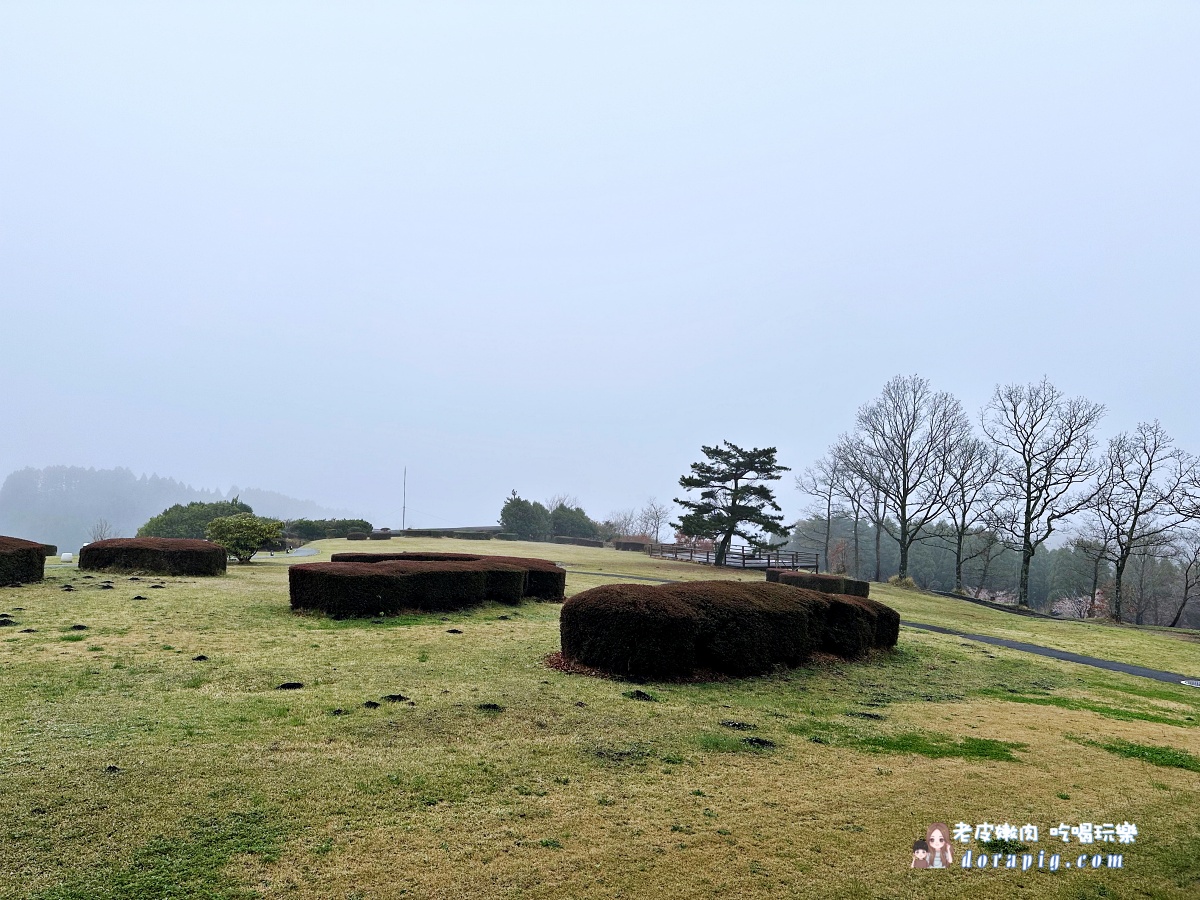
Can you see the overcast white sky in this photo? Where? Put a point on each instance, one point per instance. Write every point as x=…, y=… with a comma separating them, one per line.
x=558, y=246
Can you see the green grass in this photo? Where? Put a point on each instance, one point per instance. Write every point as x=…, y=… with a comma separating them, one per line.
x=227, y=787
x=1168, y=757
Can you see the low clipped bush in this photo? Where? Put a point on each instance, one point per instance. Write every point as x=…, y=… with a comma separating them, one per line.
x=635, y=546
x=826, y=584
x=367, y=584
x=472, y=535
x=380, y=535
x=505, y=536
x=669, y=631
x=356, y=536
x=21, y=561
x=577, y=541
x=50, y=549
x=161, y=556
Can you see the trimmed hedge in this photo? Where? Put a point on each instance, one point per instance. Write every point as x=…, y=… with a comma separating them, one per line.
x=505, y=536
x=163, y=556
x=578, y=542
x=356, y=536
x=367, y=584
x=472, y=535
x=51, y=550
x=380, y=535
x=826, y=584
x=21, y=561
x=636, y=546
x=668, y=631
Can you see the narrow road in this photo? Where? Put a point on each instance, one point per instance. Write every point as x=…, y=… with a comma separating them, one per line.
x=1110, y=665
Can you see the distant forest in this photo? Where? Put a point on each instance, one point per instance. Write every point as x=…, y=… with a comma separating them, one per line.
x=69, y=505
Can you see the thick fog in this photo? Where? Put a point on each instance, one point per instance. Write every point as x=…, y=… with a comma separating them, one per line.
x=557, y=247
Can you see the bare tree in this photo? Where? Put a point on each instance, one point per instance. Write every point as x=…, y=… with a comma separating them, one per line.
x=570, y=501
x=1187, y=557
x=900, y=449
x=1143, y=489
x=859, y=498
x=622, y=522
x=971, y=468
x=822, y=480
x=101, y=531
x=653, y=518
x=1094, y=543
x=1047, y=443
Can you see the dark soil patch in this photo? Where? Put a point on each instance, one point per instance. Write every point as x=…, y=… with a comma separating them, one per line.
x=395, y=698
x=640, y=695
x=502, y=618
x=139, y=597
x=105, y=587
x=155, y=587
x=489, y=707
x=580, y=704
x=5, y=623
x=290, y=686
x=27, y=631
x=453, y=631
x=112, y=770
x=79, y=628
x=738, y=726
x=858, y=714
x=759, y=743
x=337, y=712
x=67, y=587
x=371, y=704
x=200, y=658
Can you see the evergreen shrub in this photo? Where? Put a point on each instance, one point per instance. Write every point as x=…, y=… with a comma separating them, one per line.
x=21, y=561
x=162, y=556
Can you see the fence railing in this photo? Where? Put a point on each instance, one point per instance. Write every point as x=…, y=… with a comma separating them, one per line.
x=739, y=557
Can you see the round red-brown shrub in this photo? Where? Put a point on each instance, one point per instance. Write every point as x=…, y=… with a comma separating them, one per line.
x=21, y=561
x=366, y=584
x=161, y=556
x=669, y=631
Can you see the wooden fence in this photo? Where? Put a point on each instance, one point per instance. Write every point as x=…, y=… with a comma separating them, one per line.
x=739, y=557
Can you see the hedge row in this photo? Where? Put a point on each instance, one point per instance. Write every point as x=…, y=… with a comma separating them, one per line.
x=380, y=535
x=826, y=584
x=162, y=556
x=367, y=584
x=472, y=535
x=356, y=536
x=636, y=546
x=506, y=536
x=21, y=561
x=669, y=631
x=578, y=542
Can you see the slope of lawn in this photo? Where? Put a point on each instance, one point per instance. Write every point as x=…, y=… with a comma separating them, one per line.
x=131, y=769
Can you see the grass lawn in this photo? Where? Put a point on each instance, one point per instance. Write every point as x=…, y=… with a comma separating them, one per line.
x=131, y=769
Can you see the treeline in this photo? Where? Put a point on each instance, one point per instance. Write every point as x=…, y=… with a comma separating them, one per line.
x=1071, y=581
x=69, y=505
x=562, y=516
x=916, y=478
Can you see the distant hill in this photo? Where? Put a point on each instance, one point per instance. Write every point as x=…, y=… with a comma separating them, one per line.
x=60, y=504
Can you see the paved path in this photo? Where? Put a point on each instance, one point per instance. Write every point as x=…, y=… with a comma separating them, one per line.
x=1110, y=665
